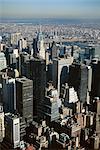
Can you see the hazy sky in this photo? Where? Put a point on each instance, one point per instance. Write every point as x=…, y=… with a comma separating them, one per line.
x=50, y=8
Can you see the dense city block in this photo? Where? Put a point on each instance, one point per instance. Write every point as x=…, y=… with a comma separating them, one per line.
x=49, y=86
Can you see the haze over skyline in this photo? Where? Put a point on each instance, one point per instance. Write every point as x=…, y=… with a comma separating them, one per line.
x=49, y=9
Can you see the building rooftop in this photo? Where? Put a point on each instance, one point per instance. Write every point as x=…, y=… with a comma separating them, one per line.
x=23, y=80
x=11, y=116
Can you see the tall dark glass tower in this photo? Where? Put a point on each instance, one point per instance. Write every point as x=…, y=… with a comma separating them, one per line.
x=96, y=80
x=24, y=98
x=78, y=78
x=38, y=75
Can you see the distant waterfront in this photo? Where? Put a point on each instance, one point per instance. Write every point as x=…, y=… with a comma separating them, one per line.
x=52, y=21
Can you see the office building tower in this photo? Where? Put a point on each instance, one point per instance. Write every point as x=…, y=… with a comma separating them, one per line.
x=23, y=58
x=89, y=87
x=89, y=78
x=96, y=108
x=14, y=38
x=23, y=126
x=12, y=131
x=60, y=71
x=8, y=51
x=26, y=69
x=49, y=72
x=3, y=63
x=2, y=128
x=40, y=45
x=86, y=53
x=13, y=61
x=51, y=109
x=2, y=75
x=68, y=94
x=54, y=50
x=9, y=94
x=24, y=98
x=78, y=78
x=89, y=53
x=22, y=44
x=35, y=48
x=73, y=98
x=64, y=93
x=14, y=56
x=95, y=92
x=38, y=75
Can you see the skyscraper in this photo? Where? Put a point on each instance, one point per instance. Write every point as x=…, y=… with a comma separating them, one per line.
x=22, y=44
x=12, y=131
x=24, y=98
x=54, y=50
x=9, y=94
x=96, y=80
x=78, y=78
x=60, y=71
x=38, y=75
x=51, y=109
x=40, y=45
x=3, y=64
x=14, y=38
x=35, y=49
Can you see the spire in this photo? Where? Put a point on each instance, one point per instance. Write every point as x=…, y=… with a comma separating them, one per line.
x=40, y=44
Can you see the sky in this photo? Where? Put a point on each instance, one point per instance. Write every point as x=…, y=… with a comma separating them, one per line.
x=50, y=8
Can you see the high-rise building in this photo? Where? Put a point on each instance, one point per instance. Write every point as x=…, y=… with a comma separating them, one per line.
x=22, y=44
x=38, y=75
x=68, y=94
x=89, y=53
x=54, y=50
x=23, y=58
x=35, y=48
x=12, y=130
x=26, y=69
x=96, y=107
x=40, y=45
x=89, y=87
x=24, y=98
x=51, y=109
x=60, y=71
x=3, y=64
x=78, y=78
x=13, y=61
x=2, y=75
x=2, y=128
x=9, y=94
x=14, y=38
x=95, y=80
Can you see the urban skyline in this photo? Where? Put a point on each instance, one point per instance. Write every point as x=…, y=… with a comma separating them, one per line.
x=49, y=87
x=49, y=75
